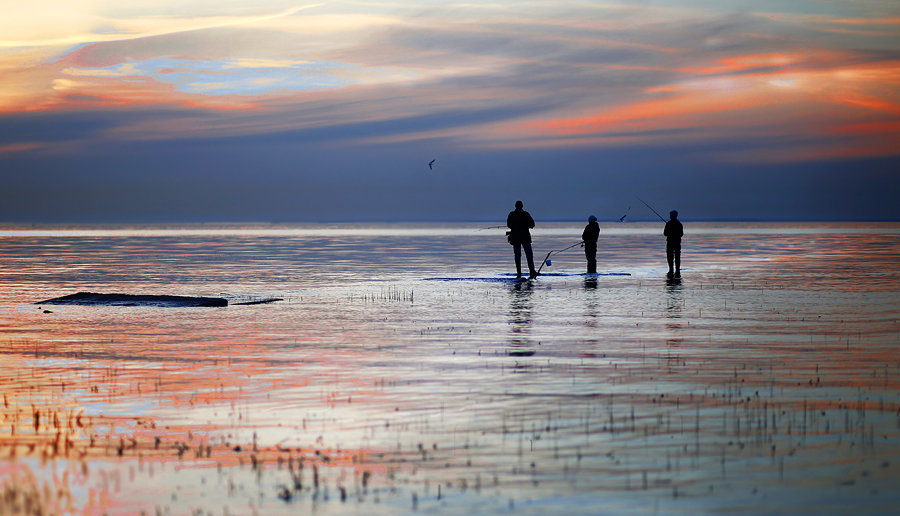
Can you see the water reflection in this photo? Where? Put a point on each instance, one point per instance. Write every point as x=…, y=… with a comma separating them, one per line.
x=674, y=306
x=674, y=301
x=520, y=319
x=591, y=311
x=592, y=307
x=350, y=356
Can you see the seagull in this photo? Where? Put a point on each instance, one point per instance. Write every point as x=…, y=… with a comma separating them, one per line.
x=430, y=163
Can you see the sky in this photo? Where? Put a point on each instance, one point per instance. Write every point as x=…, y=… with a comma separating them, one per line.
x=276, y=111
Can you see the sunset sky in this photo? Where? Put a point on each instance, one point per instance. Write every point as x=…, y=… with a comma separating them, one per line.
x=227, y=110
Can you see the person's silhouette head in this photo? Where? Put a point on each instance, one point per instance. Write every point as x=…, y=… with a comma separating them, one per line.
x=673, y=214
x=592, y=219
x=519, y=204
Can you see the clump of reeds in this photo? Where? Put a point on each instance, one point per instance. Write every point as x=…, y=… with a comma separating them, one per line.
x=391, y=293
x=22, y=494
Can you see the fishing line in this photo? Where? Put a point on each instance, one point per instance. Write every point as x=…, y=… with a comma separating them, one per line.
x=651, y=209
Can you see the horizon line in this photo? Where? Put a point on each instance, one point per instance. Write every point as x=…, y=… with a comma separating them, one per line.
x=435, y=221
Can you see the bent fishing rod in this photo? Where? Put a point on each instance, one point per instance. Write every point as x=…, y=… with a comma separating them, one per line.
x=546, y=258
x=651, y=209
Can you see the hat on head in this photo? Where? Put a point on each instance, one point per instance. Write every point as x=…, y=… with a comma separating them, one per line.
x=592, y=219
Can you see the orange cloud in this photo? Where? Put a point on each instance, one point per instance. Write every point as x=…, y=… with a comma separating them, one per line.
x=867, y=21
x=739, y=63
x=18, y=147
x=669, y=112
x=870, y=128
x=137, y=91
x=865, y=101
x=844, y=111
x=831, y=150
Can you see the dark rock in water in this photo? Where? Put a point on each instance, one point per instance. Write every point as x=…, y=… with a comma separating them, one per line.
x=522, y=353
x=94, y=299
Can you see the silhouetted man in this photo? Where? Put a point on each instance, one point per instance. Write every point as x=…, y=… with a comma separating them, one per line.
x=589, y=238
x=519, y=222
x=673, y=232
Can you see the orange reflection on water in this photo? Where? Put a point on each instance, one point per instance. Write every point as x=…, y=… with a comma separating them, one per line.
x=778, y=346
x=49, y=413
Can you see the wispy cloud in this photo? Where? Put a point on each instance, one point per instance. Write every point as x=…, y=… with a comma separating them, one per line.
x=64, y=24
x=19, y=147
x=533, y=74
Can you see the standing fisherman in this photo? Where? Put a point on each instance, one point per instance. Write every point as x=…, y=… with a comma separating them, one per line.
x=519, y=222
x=589, y=237
x=673, y=233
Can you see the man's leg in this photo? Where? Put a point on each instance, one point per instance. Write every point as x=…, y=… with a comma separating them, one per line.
x=529, y=254
x=517, y=252
x=590, y=252
x=677, y=258
x=670, y=256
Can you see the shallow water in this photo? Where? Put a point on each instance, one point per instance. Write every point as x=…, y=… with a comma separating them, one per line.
x=410, y=371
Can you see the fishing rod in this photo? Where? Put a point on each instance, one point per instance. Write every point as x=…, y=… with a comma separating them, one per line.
x=651, y=209
x=491, y=227
x=546, y=258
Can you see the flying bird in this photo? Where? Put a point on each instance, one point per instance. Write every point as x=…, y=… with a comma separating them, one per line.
x=430, y=163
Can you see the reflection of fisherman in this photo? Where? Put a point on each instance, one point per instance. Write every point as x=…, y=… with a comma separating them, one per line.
x=589, y=236
x=519, y=222
x=673, y=233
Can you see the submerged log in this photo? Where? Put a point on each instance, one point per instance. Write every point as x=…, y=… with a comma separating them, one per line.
x=259, y=301
x=95, y=299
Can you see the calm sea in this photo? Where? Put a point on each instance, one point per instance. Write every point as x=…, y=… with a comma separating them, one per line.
x=766, y=380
